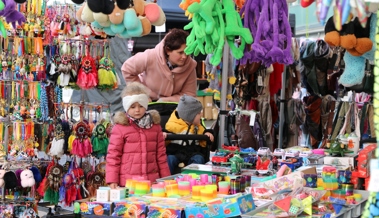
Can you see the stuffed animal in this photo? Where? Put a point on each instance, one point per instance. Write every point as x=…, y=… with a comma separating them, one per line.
x=27, y=178
x=11, y=15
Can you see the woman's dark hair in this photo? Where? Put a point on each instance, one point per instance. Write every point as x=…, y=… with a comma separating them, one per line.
x=175, y=39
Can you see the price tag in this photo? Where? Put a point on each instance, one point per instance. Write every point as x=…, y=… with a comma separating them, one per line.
x=252, y=118
x=374, y=173
x=260, y=82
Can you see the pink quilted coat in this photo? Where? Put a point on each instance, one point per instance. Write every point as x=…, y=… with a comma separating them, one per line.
x=135, y=151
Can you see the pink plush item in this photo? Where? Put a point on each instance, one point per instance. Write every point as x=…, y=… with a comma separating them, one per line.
x=284, y=170
x=27, y=178
x=318, y=151
x=152, y=12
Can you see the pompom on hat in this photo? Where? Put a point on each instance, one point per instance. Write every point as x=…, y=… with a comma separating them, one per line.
x=188, y=108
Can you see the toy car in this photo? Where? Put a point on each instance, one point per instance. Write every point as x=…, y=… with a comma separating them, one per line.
x=221, y=157
x=264, y=151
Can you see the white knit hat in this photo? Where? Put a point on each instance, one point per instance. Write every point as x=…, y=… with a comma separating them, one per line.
x=128, y=100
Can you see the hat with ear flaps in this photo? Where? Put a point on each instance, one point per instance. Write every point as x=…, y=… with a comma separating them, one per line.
x=108, y=7
x=332, y=36
x=123, y=4
x=347, y=36
x=96, y=6
x=146, y=25
x=364, y=43
x=355, y=65
x=78, y=2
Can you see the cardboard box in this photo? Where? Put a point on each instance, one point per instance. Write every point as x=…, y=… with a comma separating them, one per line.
x=96, y=208
x=230, y=206
x=341, y=162
x=166, y=207
x=201, y=99
x=136, y=209
x=208, y=113
x=208, y=101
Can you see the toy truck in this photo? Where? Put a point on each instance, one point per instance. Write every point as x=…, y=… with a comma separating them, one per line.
x=361, y=174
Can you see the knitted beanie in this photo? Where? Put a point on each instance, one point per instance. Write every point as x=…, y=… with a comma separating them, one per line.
x=188, y=108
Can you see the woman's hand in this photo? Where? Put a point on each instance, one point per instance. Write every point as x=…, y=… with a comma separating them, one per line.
x=210, y=135
x=113, y=185
x=164, y=135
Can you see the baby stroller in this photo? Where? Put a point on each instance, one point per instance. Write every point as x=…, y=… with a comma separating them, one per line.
x=165, y=110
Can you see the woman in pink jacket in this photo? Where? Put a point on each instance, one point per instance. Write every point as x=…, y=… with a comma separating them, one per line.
x=136, y=145
x=166, y=70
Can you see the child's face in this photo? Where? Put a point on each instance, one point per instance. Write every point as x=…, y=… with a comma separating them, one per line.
x=136, y=111
x=196, y=121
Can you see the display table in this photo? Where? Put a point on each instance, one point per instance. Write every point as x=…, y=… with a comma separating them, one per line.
x=350, y=211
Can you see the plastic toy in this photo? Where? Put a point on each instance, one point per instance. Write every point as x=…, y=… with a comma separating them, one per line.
x=279, y=153
x=329, y=177
x=361, y=174
x=264, y=164
x=336, y=148
x=221, y=157
x=305, y=153
x=236, y=163
x=292, y=153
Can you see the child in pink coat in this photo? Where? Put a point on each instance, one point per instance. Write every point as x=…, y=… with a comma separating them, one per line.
x=136, y=146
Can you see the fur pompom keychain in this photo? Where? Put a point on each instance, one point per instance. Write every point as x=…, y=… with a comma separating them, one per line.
x=10, y=180
x=27, y=179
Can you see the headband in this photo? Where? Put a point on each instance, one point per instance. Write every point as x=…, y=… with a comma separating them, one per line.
x=128, y=100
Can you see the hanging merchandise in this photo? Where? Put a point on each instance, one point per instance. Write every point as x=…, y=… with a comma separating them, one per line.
x=87, y=75
x=54, y=181
x=210, y=39
x=81, y=145
x=107, y=76
x=58, y=141
x=27, y=178
x=95, y=179
x=100, y=139
x=269, y=25
x=10, y=180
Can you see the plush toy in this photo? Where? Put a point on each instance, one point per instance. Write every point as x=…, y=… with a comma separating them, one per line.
x=271, y=32
x=204, y=9
x=27, y=178
x=234, y=28
x=11, y=15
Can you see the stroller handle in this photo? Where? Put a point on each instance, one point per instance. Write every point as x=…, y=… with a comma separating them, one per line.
x=187, y=137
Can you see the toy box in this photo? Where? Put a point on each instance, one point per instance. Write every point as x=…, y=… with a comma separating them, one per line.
x=166, y=208
x=228, y=207
x=96, y=208
x=125, y=209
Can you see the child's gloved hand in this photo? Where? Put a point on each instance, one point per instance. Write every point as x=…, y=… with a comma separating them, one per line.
x=209, y=135
x=113, y=185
